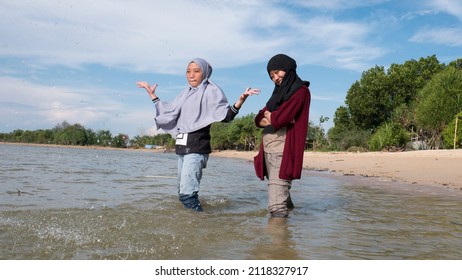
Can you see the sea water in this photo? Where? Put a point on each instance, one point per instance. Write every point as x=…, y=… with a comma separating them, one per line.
x=68, y=203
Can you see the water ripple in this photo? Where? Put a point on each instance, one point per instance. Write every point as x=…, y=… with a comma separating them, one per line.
x=101, y=204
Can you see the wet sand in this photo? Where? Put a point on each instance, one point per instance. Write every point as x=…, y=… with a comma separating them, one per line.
x=428, y=167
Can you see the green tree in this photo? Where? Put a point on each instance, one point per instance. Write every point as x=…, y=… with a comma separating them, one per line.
x=368, y=100
x=76, y=134
x=44, y=136
x=91, y=137
x=61, y=126
x=220, y=136
x=120, y=141
x=345, y=134
x=59, y=137
x=452, y=131
x=245, y=133
x=457, y=64
x=163, y=139
x=16, y=135
x=28, y=136
x=405, y=80
x=379, y=98
x=240, y=134
x=103, y=138
x=316, y=135
x=438, y=102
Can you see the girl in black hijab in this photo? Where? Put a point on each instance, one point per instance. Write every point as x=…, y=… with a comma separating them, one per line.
x=284, y=120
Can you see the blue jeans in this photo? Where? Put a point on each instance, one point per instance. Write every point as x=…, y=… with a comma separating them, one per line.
x=189, y=177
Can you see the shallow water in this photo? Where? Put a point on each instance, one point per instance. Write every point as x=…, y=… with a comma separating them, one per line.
x=122, y=204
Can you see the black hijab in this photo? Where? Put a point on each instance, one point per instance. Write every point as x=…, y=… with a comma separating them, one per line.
x=290, y=83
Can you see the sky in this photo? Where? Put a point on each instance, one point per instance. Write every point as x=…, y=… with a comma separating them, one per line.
x=78, y=61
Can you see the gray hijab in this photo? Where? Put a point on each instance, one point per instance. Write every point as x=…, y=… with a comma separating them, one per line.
x=193, y=108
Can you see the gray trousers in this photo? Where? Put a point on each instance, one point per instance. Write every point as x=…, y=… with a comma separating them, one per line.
x=279, y=200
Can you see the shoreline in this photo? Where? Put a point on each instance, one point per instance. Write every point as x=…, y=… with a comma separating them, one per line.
x=424, y=167
x=440, y=168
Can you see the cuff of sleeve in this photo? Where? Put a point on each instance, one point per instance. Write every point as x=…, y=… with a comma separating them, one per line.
x=234, y=109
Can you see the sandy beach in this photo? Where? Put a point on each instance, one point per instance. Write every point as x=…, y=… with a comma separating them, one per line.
x=428, y=167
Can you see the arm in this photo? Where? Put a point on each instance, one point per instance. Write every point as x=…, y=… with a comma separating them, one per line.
x=233, y=110
x=248, y=92
x=289, y=110
x=260, y=118
x=266, y=120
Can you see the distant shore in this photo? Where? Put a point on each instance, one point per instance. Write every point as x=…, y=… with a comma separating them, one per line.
x=425, y=167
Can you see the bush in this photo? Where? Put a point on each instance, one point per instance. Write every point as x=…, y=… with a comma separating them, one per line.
x=439, y=101
x=388, y=136
x=448, y=133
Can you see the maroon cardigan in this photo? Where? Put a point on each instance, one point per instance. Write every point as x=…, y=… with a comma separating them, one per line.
x=292, y=114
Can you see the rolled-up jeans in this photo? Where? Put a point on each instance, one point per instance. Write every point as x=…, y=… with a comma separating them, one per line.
x=279, y=200
x=189, y=177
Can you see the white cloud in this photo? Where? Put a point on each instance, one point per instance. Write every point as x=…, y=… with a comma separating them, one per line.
x=339, y=4
x=37, y=106
x=159, y=36
x=447, y=6
x=146, y=37
x=442, y=36
x=343, y=44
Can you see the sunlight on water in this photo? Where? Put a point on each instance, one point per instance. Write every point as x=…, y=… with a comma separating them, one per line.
x=65, y=203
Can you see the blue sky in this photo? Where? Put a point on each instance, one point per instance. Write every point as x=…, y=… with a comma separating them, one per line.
x=78, y=61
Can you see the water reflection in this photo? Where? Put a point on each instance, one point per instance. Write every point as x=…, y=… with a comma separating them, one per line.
x=277, y=243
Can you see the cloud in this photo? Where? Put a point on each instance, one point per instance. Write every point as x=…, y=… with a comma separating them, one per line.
x=343, y=44
x=67, y=60
x=442, y=36
x=36, y=106
x=339, y=4
x=158, y=36
x=447, y=6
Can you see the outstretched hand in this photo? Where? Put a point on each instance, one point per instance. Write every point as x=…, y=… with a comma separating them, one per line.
x=150, y=89
x=248, y=92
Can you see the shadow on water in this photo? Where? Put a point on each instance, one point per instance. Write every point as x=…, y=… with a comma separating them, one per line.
x=92, y=204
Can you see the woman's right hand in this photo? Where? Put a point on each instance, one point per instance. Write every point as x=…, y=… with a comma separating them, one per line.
x=150, y=89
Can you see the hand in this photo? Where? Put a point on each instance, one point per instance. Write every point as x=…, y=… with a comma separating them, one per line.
x=266, y=121
x=150, y=89
x=248, y=92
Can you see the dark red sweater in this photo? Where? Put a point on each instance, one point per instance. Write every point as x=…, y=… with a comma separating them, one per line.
x=293, y=114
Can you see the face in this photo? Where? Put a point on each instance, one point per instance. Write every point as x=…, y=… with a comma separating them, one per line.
x=194, y=74
x=277, y=76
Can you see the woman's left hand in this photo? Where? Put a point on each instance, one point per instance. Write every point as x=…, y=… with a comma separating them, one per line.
x=248, y=92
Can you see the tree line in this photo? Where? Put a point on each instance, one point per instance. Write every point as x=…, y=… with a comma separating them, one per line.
x=414, y=105
x=241, y=134
x=67, y=134
x=77, y=135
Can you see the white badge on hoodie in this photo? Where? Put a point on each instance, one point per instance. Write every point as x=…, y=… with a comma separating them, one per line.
x=182, y=139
